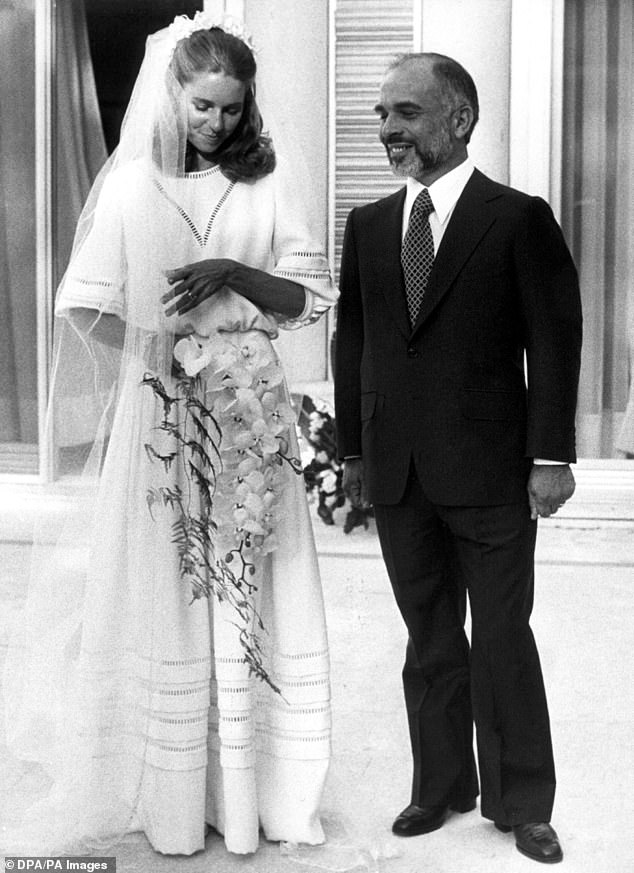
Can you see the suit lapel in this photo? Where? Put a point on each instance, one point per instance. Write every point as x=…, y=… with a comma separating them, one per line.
x=383, y=243
x=471, y=219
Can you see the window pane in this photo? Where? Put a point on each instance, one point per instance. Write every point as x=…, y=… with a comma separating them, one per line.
x=368, y=36
x=18, y=348
x=598, y=189
x=100, y=47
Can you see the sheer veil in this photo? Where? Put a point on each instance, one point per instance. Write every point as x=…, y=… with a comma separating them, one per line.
x=54, y=717
x=44, y=692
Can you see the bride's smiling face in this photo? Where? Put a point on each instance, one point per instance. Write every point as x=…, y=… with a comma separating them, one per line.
x=215, y=103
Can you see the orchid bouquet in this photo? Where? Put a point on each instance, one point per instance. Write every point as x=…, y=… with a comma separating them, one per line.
x=223, y=441
x=323, y=474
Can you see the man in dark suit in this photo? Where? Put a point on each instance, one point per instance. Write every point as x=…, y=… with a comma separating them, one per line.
x=447, y=288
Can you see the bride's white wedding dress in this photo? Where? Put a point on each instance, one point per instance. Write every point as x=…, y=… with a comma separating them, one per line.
x=136, y=700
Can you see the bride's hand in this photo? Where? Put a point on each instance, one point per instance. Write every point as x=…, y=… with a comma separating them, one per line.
x=195, y=283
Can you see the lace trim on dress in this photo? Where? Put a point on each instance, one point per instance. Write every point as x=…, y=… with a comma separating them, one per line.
x=294, y=726
x=201, y=239
x=305, y=683
x=200, y=174
x=225, y=688
x=303, y=274
x=303, y=710
x=177, y=692
x=188, y=662
x=104, y=283
x=303, y=655
x=267, y=731
x=306, y=255
x=195, y=719
x=196, y=747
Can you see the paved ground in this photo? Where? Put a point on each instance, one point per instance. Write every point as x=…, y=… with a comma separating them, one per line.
x=585, y=585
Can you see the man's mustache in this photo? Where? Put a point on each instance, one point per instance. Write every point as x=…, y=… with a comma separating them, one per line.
x=392, y=139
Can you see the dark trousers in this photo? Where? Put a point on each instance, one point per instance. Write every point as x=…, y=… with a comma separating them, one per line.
x=435, y=556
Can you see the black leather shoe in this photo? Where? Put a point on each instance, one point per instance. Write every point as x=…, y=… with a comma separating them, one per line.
x=537, y=840
x=415, y=820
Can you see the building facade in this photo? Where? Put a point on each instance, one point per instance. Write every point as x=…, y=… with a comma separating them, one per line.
x=555, y=84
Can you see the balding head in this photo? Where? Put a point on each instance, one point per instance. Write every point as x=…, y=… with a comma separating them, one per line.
x=454, y=81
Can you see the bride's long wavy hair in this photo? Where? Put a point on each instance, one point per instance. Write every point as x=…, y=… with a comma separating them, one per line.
x=248, y=153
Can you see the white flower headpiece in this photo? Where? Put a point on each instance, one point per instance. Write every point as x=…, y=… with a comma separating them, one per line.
x=183, y=27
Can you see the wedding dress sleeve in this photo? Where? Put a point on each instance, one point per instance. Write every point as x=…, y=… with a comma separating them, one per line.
x=299, y=256
x=95, y=278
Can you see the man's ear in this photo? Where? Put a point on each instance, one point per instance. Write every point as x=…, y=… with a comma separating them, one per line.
x=462, y=121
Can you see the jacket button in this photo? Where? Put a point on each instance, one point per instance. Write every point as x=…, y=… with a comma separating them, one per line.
x=412, y=352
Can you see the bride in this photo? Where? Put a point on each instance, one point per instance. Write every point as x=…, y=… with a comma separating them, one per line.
x=173, y=674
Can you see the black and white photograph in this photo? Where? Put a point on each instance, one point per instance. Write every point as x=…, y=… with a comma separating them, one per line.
x=316, y=435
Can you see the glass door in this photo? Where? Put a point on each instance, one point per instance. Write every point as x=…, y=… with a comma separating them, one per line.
x=63, y=92
x=99, y=49
x=19, y=416
x=598, y=216
x=572, y=69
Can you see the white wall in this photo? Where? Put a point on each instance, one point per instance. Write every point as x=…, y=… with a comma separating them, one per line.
x=477, y=33
x=292, y=41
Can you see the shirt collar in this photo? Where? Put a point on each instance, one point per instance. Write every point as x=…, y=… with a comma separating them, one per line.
x=444, y=192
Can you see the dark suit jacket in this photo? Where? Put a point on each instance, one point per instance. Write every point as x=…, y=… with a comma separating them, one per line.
x=451, y=392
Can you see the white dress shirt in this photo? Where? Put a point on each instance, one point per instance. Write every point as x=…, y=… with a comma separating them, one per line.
x=444, y=195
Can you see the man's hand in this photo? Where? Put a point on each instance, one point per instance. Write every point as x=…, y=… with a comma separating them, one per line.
x=354, y=484
x=549, y=486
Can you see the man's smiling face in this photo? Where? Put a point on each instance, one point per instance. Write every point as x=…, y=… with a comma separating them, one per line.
x=416, y=124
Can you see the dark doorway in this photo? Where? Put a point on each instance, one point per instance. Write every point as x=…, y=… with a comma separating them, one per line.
x=117, y=30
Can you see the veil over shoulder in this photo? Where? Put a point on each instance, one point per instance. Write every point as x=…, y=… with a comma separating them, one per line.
x=131, y=688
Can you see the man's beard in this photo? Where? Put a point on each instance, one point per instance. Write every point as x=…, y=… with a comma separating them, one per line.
x=416, y=163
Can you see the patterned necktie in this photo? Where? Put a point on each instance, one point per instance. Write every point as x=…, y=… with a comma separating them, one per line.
x=417, y=253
